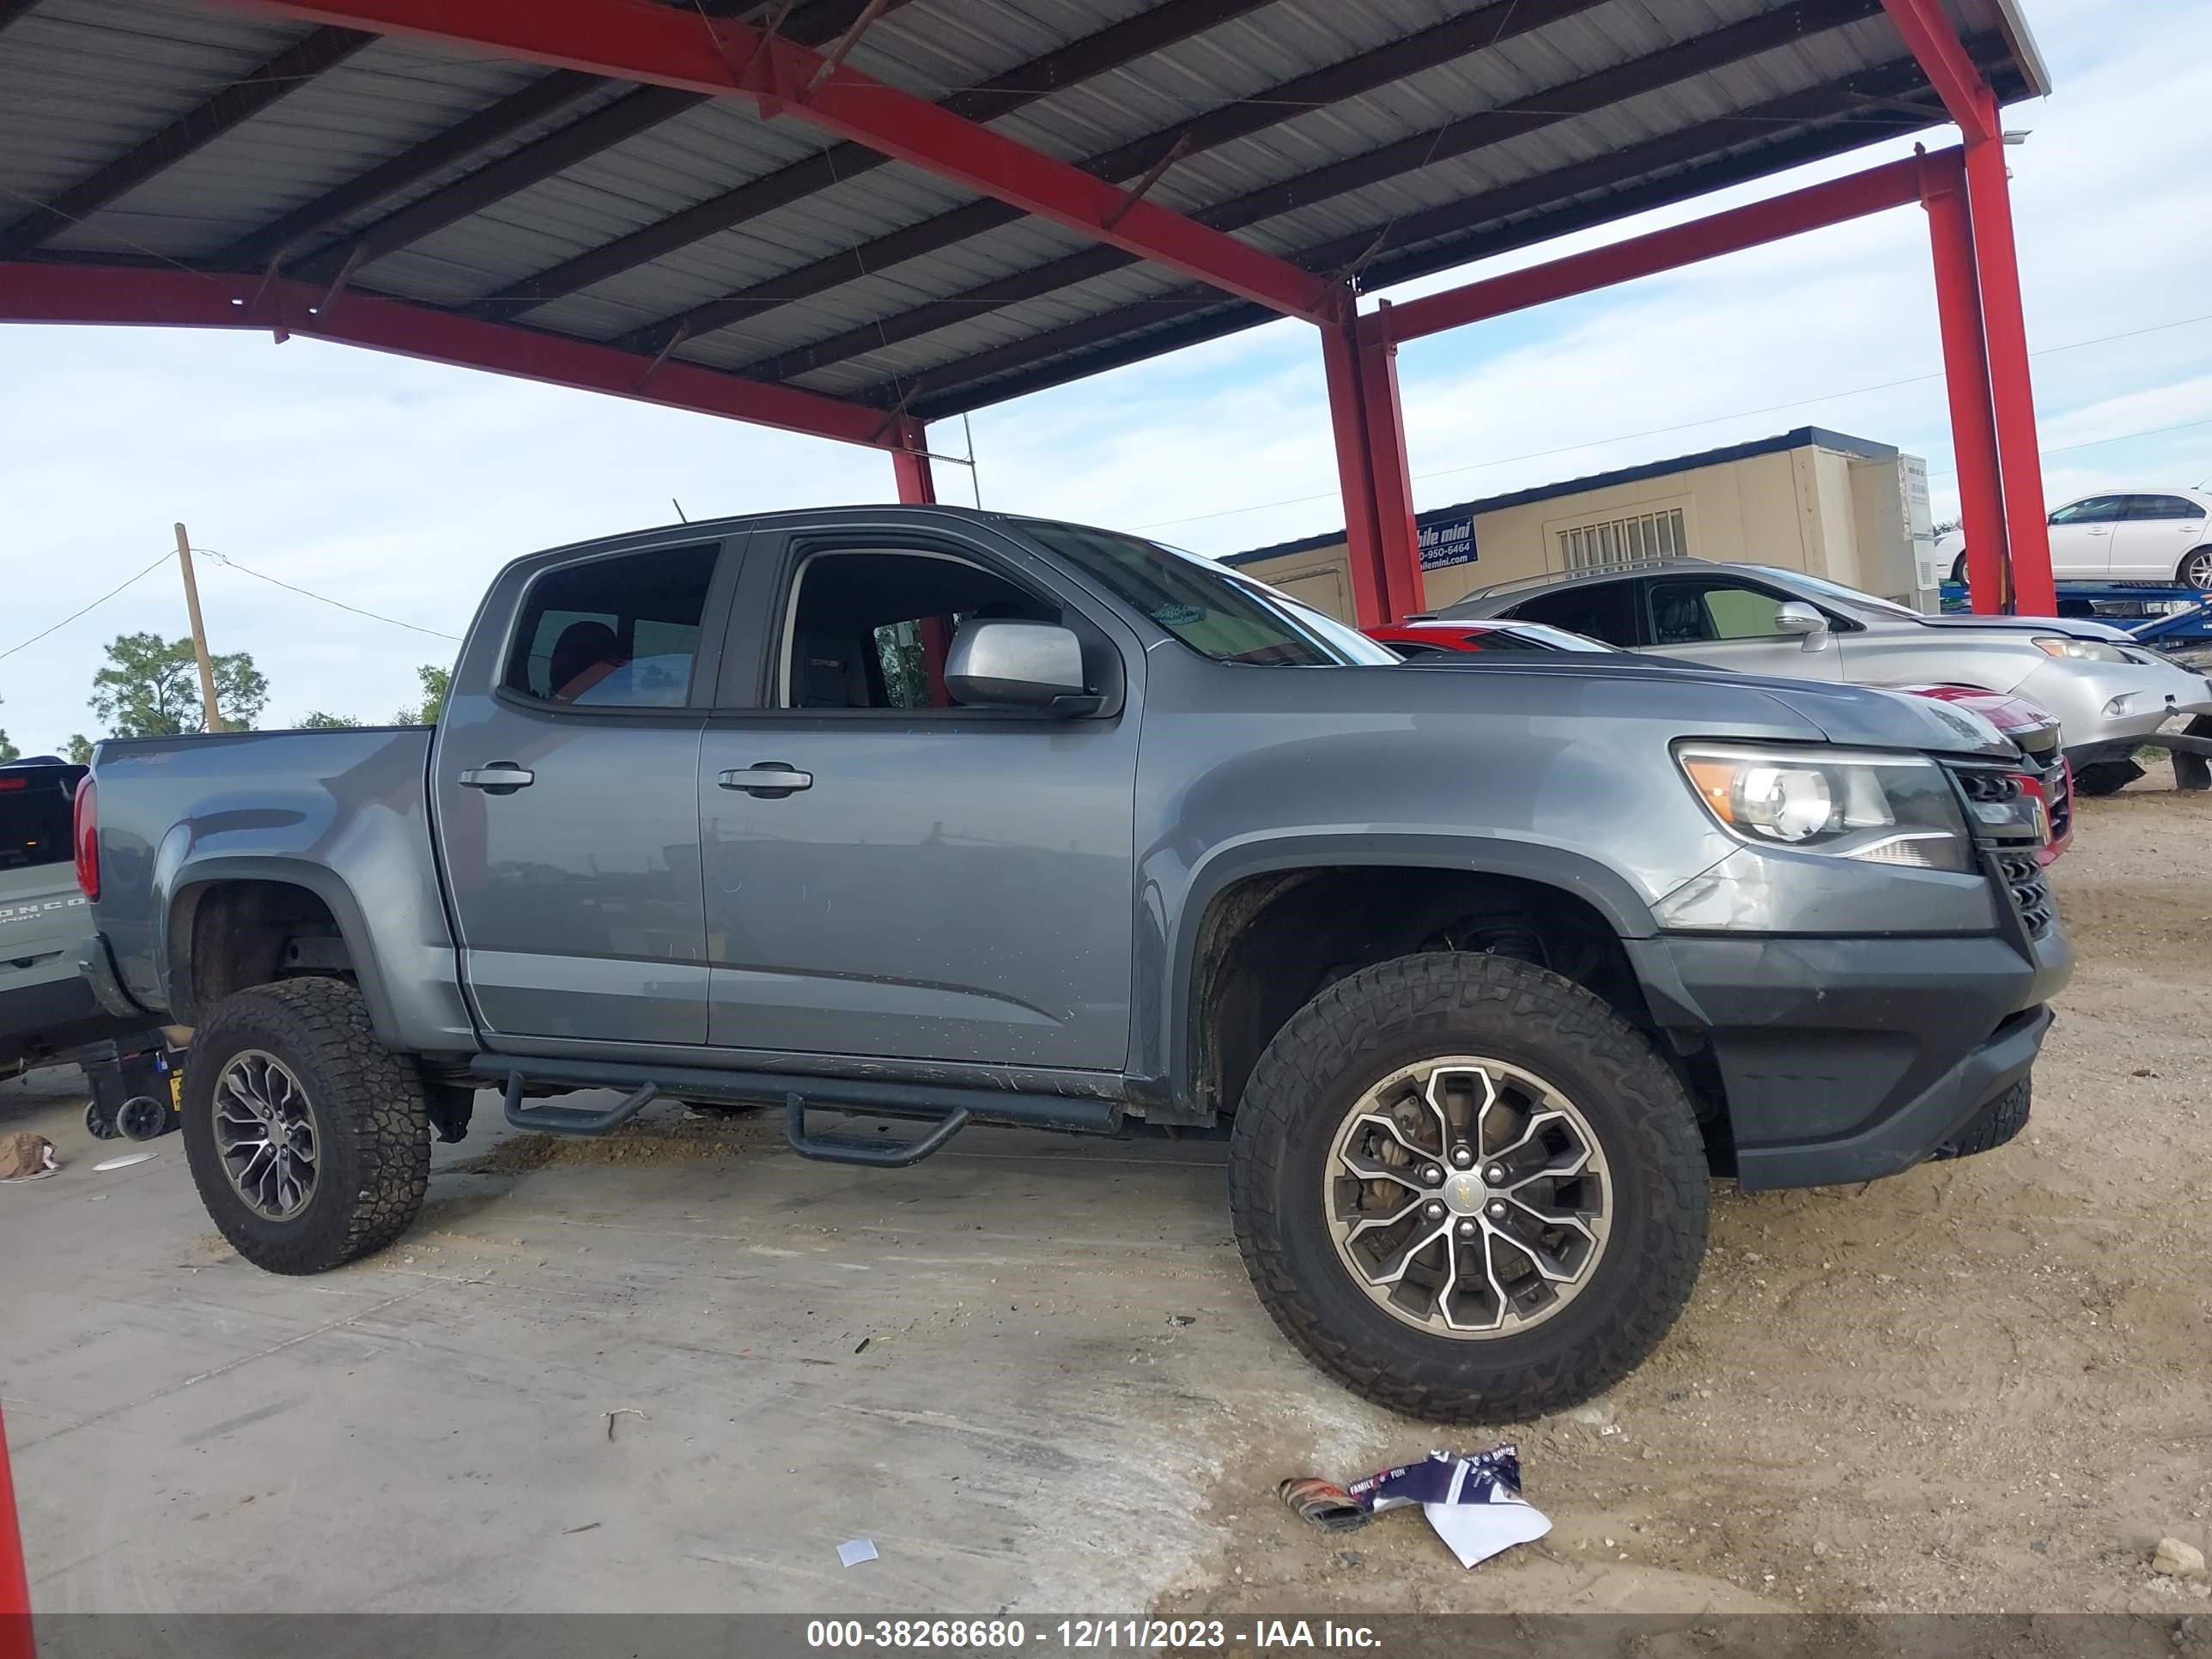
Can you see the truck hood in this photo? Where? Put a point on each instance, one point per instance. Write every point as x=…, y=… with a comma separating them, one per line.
x=1858, y=716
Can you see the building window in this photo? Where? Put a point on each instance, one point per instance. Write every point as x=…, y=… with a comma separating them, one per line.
x=1617, y=543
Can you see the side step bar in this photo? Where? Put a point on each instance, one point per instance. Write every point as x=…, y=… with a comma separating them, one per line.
x=948, y=1109
x=853, y=1149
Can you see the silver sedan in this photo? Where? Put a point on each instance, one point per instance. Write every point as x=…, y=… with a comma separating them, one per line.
x=2109, y=693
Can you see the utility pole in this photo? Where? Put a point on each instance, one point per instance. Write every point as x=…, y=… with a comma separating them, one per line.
x=199, y=632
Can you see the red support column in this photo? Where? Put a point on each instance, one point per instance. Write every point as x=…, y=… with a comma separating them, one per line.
x=917, y=487
x=2004, y=327
x=1967, y=379
x=1399, y=540
x=1355, y=474
x=15, y=1638
x=1381, y=546
x=917, y=484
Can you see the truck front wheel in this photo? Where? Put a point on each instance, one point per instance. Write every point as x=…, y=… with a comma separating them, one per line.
x=1466, y=1189
x=308, y=1139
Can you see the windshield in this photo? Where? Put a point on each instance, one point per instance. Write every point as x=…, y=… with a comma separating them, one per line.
x=1206, y=604
x=1838, y=592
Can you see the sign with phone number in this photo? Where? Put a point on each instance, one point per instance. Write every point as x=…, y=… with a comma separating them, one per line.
x=1448, y=544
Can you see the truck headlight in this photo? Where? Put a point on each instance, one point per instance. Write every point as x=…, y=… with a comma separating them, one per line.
x=2084, y=650
x=1852, y=804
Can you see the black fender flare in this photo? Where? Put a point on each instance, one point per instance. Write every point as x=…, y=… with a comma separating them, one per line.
x=193, y=878
x=1605, y=889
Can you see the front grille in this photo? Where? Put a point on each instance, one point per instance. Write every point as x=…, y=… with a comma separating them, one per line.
x=2059, y=794
x=1990, y=785
x=2023, y=879
x=2012, y=864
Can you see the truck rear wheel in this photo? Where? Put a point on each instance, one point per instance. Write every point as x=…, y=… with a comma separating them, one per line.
x=308, y=1139
x=1466, y=1189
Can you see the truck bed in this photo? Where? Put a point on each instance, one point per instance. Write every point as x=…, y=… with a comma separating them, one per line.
x=342, y=813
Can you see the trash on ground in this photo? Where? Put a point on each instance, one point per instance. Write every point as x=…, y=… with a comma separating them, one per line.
x=855, y=1550
x=125, y=1160
x=588, y=1526
x=620, y=1411
x=27, y=1158
x=1474, y=1502
x=863, y=1346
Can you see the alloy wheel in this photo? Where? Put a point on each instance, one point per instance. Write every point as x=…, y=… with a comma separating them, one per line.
x=1467, y=1197
x=265, y=1134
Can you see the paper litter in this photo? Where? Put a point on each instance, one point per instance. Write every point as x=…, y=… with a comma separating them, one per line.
x=1472, y=1501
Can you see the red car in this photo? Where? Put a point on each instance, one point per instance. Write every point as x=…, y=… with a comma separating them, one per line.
x=2031, y=728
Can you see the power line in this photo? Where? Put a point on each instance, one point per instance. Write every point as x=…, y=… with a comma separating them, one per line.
x=226, y=560
x=95, y=605
x=2095, y=443
x=1685, y=425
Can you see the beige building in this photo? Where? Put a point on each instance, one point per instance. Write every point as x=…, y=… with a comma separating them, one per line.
x=1810, y=500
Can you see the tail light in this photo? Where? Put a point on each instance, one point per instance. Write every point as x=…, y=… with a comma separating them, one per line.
x=85, y=834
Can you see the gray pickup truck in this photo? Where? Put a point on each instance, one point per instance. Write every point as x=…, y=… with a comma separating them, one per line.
x=1484, y=967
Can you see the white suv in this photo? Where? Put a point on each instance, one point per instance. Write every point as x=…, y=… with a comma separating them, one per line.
x=2164, y=536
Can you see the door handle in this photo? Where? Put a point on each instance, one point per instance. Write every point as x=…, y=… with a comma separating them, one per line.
x=500, y=778
x=769, y=779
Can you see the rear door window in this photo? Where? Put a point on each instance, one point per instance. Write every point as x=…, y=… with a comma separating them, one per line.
x=1604, y=610
x=614, y=633
x=2169, y=507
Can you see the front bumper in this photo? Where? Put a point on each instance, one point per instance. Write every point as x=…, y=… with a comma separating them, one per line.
x=1843, y=1059
x=2081, y=695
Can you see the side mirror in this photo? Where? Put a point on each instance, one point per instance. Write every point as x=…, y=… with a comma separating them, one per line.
x=1019, y=665
x=1795, y=617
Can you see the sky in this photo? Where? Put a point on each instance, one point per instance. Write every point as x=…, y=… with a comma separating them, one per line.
x=399, y=488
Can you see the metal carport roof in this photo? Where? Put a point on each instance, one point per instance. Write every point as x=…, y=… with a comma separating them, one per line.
x=208, y=163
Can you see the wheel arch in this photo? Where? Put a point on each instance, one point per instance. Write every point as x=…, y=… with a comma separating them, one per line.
x=233, y=922
x=1392, y=889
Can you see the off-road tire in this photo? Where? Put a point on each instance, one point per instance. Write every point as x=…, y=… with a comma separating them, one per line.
x=372, y=1127
x=1398, y=1013
x=1998, y=1121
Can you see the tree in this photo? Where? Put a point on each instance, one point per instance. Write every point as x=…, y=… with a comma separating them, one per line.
x=1944, y=528
x=8, y=750
x=79, y=750
x=150, y=688
x=435, y=683
x=316, y=721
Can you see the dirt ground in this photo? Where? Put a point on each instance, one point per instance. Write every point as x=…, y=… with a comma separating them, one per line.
x=1031, y=1369
x=1984, y=1386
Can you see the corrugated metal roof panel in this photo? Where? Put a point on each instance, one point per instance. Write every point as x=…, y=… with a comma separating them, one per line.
x=345, y=121
x=82, y=81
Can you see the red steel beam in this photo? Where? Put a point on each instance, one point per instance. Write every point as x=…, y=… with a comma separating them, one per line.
x=1967, y=382
x=680, y=48
x=16, y=1641
x=1943, y=59
x=917, y=482
x=1392, y=474
x=165, y=298
x=1373, y=485
x=1851, y=196
x=2012, y=390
